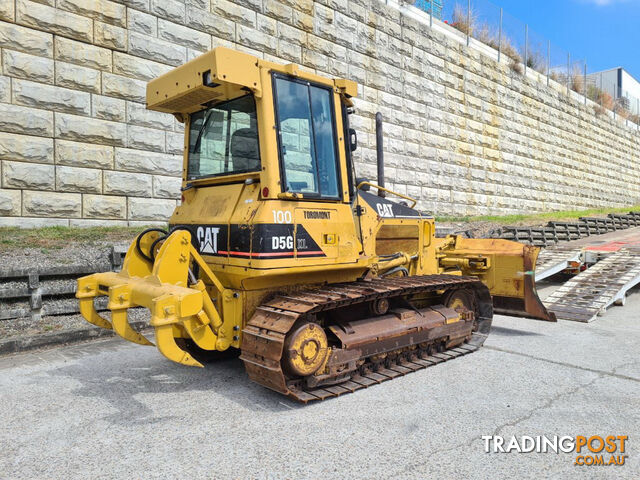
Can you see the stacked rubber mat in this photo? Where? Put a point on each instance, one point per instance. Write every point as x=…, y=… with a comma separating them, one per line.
x=555, y=232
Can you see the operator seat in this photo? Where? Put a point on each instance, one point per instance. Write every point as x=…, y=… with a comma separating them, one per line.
x=245, y=151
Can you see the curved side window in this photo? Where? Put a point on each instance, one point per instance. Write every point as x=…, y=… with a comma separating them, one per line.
x=223, y=139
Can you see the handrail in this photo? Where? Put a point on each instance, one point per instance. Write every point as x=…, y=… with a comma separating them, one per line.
x=388, y=191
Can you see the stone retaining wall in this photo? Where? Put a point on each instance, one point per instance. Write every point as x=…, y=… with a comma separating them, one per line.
x=464, y=134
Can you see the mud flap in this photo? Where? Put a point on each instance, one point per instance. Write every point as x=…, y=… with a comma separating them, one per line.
x=506, y=267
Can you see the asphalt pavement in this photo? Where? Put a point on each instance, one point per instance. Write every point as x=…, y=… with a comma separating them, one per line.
x=112, y=409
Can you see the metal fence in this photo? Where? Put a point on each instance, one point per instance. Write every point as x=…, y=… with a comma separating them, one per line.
x=525, y=49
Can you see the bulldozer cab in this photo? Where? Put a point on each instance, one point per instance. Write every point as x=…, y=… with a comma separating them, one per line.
x=267, y=173
x=250, y=118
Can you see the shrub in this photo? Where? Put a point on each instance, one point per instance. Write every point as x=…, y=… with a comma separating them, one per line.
x=463, y=22
x=605, y=100
x=620, y=109
x=516, y=66
x=599, y=110
x=509, y=50
x=553, y=75
x=537, y=61
x=576, y=81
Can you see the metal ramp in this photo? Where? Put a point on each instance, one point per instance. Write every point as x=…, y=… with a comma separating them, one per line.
x=554, y=260
x=589, y=293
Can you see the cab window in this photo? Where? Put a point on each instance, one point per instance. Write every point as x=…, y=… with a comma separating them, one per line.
x=307, y=140
x=223, y=139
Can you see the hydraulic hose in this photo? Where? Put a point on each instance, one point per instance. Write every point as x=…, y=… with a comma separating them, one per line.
x=139, y=249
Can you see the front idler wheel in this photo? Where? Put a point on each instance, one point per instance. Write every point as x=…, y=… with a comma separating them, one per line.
x=305, y=349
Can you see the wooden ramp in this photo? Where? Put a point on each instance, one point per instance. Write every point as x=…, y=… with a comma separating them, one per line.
x=589, y=293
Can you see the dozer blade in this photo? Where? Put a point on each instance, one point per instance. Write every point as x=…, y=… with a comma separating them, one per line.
x=506, y=267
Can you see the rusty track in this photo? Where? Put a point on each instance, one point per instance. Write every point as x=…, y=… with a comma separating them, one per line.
x=264, y=335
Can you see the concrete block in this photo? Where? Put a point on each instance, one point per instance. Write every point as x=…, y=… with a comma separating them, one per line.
x=26, y=39
x=54, y=20
x=49, y=97
x=23, y=65
x=158, y=50
x=234, y=12
x=7, y=10
x=124, y=87
x=104, y=206
x=10, y=202
x=27, y=175
x=26, y=148
x=173, y=10
x=141, y=22
x=110, y=36
x=90, y=130
x=102, y=10
x=148, y=162
x=126, y=183
x=84, y=180
x=174, y=143
x=137, y=67
x=82, y=54
x=150, y=208
x=137, y=114
x=30, y=121
x=213, y=24
x=108, y=108
x=50, y=204
x=78, y=78
x=188, y=37
x=144, y=138
x=79, y=154
x=166, y=187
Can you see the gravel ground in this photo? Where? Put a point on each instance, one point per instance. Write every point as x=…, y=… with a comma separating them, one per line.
x=92, y=253
x=58, y=323
x=473, y=229
x=72, y=254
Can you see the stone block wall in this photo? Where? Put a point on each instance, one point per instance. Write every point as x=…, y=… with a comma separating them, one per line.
x=464, y=134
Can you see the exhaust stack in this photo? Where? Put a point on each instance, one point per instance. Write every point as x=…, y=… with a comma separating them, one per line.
x=379, y=153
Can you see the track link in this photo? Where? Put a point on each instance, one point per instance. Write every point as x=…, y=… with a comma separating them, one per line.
x=265, y=333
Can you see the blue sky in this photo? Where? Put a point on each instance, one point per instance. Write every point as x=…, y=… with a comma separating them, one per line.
x=604, y=32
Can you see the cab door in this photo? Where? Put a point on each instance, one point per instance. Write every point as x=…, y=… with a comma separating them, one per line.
x=312, y=172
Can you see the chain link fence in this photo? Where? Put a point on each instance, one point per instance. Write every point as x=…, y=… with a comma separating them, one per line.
x=524, y=49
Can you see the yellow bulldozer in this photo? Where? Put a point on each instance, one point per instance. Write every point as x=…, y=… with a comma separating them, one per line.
x=280, y=252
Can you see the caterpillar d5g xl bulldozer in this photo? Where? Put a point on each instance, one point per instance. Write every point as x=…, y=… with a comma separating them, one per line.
x=277, y=250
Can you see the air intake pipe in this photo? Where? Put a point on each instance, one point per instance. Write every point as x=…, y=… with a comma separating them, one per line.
x=379, y=153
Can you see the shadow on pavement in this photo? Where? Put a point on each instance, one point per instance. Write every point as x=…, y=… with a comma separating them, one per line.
x=134, y=379
x=512, y=332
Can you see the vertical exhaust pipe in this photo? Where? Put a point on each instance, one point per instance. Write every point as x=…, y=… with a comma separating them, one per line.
x=379, y=153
